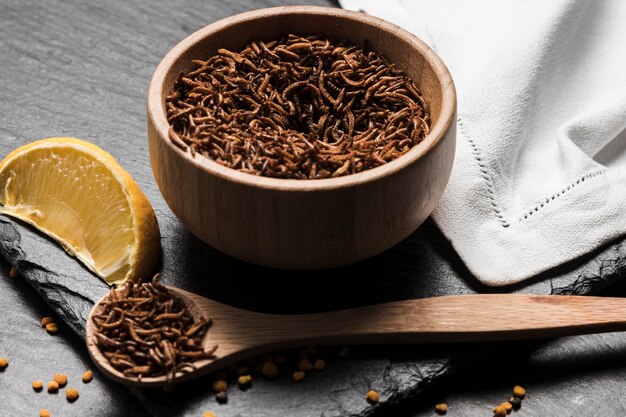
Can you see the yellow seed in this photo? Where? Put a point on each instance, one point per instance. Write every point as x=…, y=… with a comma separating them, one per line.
x=13, y=272
x=52, y=328
x=220, y=385
x=87, y=377
x=71, y=394
x=515, y=402
x=46, y=320
x=499, y=411
x=4, y=362
x=441, y=408
x=208, y=414
x=373, y=396
x=44, y=413
x=53, y=386
x=344, y=353
x=60, y=379
x=320, y=365
x=221, y=397
x=298, y=376
x=37, y=385
x=244, y=380
x=269, y=370
x=519, y=392
x=507, y=406
x=305, y=365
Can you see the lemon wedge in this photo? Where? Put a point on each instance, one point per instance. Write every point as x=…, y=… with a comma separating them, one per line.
x=79, y=195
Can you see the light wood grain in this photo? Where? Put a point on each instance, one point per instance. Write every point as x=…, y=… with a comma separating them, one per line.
x=305, y=224
x=241, y=334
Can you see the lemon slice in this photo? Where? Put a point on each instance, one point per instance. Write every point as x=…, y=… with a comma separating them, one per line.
x=77, y=194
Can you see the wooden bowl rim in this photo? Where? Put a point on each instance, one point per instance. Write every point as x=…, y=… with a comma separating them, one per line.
x=156, y=107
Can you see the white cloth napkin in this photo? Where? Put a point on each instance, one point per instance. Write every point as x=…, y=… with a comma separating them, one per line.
x=540, y=171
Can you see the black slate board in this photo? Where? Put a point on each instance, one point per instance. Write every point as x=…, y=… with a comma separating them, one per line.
x=398, y=372
x=34, y=355
x=570, y=376
x=76, y=68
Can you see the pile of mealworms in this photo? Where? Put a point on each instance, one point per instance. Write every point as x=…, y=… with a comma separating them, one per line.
x=145, y=331
x=297, y=107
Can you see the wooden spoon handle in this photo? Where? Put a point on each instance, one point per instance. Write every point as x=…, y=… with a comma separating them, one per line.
x=456, y=319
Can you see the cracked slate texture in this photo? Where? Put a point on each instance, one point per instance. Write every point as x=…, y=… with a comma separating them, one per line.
x=78, y=68
x=34, y=355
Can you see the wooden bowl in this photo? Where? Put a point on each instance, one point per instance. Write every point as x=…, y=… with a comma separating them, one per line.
x=305, y=224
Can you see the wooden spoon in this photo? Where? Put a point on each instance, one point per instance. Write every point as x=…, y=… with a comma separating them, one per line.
x=242, y=334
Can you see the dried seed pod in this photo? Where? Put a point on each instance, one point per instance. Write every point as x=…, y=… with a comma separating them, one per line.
x=53, y=386
x=46, y=320
x=305, y=365
x=71, y=394
x=244, y=380
x=298, y=376
x=516, y=403
x=52, y=328
x=373, y=397
x=60, y=379
x=221, y=397
x=499, y=411
x=269, y=370
x=219, y=385
x=87, y=377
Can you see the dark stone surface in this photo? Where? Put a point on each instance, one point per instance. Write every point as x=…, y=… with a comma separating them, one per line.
x=35, y=355
x=398, y=372
x=80, y=68
x=571, y=376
